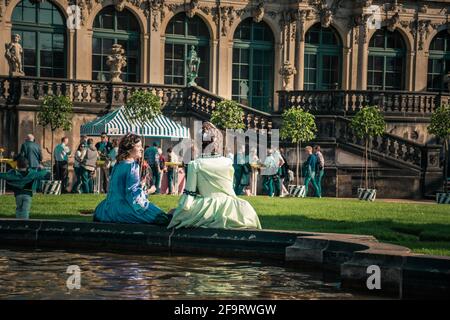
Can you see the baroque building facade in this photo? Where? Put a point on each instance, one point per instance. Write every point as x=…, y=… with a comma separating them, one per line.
x=351, y=45
x=251, y=51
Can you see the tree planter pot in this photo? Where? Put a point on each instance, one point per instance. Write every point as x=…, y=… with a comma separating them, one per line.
x=367, y=194
x=297, y=191
x=443, y=197
x=51, y=187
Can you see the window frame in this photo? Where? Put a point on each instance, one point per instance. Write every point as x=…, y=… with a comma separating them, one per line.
x=320, y=50
x=253, y=45
x=38, y=28
x=117, y=35
x=187, y=41
x=387, y=53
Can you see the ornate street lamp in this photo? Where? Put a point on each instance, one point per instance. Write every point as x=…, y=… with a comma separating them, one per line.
x=193, y=63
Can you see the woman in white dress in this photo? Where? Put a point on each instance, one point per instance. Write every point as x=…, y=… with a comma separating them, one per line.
x=209, y=199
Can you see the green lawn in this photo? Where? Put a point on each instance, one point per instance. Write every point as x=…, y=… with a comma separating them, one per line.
x=425, y=228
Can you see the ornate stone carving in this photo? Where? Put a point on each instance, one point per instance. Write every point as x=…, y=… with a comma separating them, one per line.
x=393, y=22
x=302, y=16
x=116, y=61
x=360, y=25
x=258, y=13
x=326, y=10
x=119, y=5
x=326, y=17
x=286, y=72
x=192, y=8
x=365, y=3
x=423, y=30
x=225, y=17
x=423, y=8
x=13, y=54
x=157, y=13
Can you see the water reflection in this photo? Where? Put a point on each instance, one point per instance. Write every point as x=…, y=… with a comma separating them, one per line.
x=42, y=274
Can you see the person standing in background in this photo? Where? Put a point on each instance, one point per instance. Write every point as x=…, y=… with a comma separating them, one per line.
x=88, y=167
x=320, y=168
x=241, y=174
x=280, y=162
x=171, y=170
x=310, y=170
x=112, y=155
x=61, y=156
x=284, y=173
x=103, y=148
x=78, y=158
x=161, y=168
x=31, y=151
x=151, y=156
x=253, y=160
x=271, y=181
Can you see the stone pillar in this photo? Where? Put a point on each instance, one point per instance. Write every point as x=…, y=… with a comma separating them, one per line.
x=224, y=67
x=5, y=37
x=156, y=57
x=300, y=52
x=409, y=74
x=420, y=71
x=145, y=62
x=346, y=55
x=277, y=83
x=83, y=51
x=363, y=58
x=71, y=57
x=214, y=84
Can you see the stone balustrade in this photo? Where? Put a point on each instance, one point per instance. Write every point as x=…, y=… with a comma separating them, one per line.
x=347, y=102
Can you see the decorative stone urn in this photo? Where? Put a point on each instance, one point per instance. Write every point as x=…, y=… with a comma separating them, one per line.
x=116, y=61
x=286, y=72
x=13, y=54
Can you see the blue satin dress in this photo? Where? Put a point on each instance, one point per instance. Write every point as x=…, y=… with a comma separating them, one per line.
x=126, y=202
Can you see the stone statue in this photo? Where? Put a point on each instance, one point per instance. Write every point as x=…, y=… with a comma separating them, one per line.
x=258, y=13
x=192, y=8
x=116, y=61
x=13, y=53
x=326, y=18
x=392, y=23
x=286, y=72
x=193, y=64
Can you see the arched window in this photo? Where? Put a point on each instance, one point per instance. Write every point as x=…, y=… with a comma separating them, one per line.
x=182, y=33
x=323, y=52
x=386, y=63
x=42, y=30
x=253, y=65
x=439, y=62
x=114, y=27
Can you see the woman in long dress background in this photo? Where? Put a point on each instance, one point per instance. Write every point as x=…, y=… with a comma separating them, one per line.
x=126, y=201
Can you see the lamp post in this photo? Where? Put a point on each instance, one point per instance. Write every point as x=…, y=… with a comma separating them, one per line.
x=193, y=63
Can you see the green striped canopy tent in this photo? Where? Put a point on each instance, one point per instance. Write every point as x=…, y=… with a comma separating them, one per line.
x=115, y=123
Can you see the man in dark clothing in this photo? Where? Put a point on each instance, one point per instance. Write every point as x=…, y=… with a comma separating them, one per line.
x=103, y=148
x=31, y=151
x=152, y=157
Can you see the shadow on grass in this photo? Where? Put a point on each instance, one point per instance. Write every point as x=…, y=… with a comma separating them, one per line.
x=408, y=234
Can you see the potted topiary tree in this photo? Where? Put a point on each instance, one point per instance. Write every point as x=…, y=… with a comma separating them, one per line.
x=56, y=112
x=141, y=107
x=440, y=127
x=298, y=126
x=367, y=124
x=228, y=114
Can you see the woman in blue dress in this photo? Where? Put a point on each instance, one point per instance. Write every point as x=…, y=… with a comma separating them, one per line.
x=126, y=201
